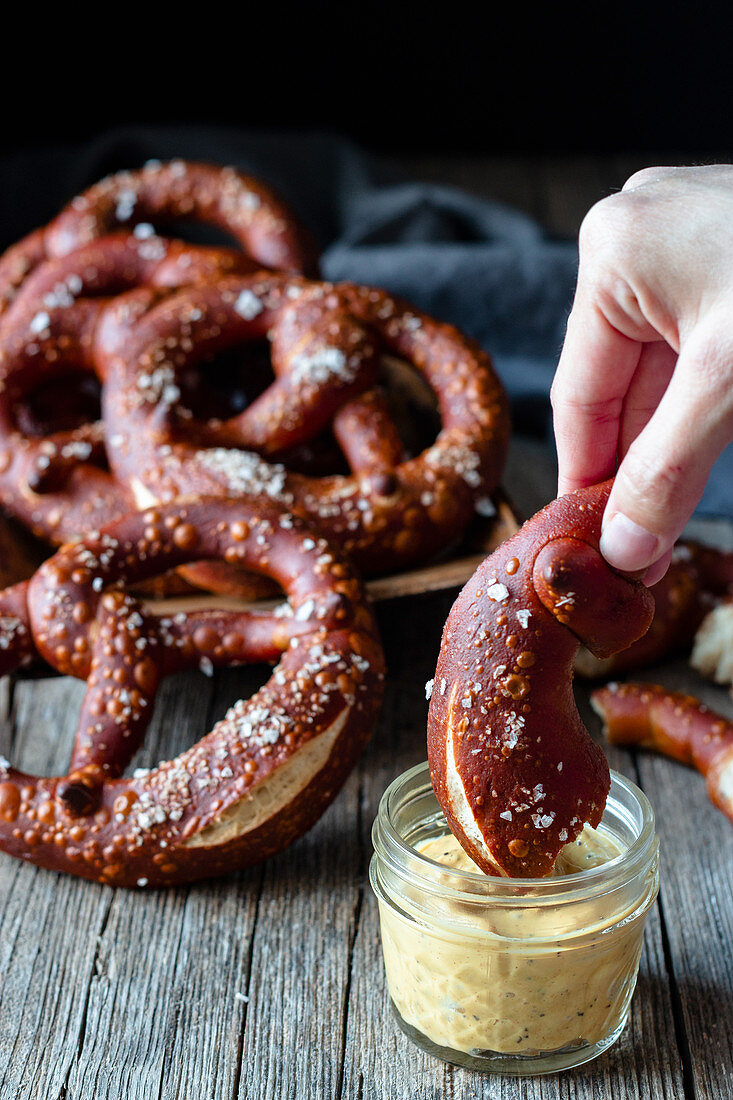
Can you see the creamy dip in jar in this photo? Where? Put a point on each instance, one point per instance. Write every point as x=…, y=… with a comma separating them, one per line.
x=512, y=975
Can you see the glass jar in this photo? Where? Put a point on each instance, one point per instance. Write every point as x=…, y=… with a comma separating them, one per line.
x=519, y=976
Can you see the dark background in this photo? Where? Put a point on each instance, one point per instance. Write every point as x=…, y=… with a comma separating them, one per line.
x=401, y=78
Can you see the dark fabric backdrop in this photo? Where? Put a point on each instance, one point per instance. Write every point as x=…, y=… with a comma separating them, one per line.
x=485, y=267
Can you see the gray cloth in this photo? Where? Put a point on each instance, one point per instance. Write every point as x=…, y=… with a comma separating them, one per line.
x=483, y=266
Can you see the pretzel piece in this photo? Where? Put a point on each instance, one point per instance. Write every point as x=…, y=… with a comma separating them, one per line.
x=513, y=767
x=324, y=342
x=266, y=771
x=674, y=724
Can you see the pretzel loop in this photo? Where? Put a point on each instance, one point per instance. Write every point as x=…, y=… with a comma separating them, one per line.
x=266, y=772
x=51, y=328
x=325, y=342
x=187, y=191
x=245, y=208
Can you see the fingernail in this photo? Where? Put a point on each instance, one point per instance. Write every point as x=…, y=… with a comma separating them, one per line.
x=626, y=545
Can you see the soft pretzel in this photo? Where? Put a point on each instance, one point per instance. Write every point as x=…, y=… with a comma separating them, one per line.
x=266, y=771
x=392, y=510
x=675, y=724
x=513, y=767
x=697, y=578
x=178, y=191
x=57, y=483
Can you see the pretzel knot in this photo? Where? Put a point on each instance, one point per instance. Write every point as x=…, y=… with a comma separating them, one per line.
x=512, y=764
x=178, y=191
x=326, y=344
x=265, y=773
x=57, y=481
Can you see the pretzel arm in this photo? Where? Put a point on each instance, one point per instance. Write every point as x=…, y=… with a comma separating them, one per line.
x=223, y=638
x=180, y=190
x=677, y=725
x=293, y=404
x=367, y=435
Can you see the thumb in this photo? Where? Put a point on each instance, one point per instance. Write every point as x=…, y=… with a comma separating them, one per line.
x=662, y=476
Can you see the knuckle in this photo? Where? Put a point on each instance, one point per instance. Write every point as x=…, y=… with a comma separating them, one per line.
x=610, y=228
x=648, y=175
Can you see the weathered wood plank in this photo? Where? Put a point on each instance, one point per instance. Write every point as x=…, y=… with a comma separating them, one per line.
x=49, y=923
x=291, y=1035
x=696, y=892
x=163, y=1016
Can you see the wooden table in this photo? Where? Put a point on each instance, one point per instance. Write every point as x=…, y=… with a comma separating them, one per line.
x=270, y=984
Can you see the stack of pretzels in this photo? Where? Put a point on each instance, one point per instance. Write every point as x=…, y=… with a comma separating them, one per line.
x=163, y=480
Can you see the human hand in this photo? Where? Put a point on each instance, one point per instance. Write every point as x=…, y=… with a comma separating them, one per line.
x=645, y=379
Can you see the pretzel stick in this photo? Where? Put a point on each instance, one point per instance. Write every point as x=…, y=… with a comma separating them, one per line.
x=676, y=725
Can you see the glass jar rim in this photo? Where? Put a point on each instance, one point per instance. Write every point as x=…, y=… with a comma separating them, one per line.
x=391, y=847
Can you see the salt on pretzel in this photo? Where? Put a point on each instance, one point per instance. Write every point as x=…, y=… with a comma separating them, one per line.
x=674, y=724
x=698, y=578
x=266, y=771
x=393, y=510
x=57, y=483
x=178, y=191
x=513, y=767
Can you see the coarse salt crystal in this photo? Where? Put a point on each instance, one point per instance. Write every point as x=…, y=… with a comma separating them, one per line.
x=248, y=305
x=497, y=592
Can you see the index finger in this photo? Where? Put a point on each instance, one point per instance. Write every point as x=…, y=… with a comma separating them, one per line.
x=592, y=378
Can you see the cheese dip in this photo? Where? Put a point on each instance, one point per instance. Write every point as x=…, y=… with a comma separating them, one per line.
x=512, y=975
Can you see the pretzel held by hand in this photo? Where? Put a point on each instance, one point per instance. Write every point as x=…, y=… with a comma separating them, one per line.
x=326, y=341
x=513, y=767
x=676, y=725
x=266, y=771
x=247, y=209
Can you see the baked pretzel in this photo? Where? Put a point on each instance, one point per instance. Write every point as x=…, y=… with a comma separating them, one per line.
x=57, y=482
x=265, y=773
x=513, y=767
x=674, y=724
x=697, y=578
x=326, y=340
x=241, y=206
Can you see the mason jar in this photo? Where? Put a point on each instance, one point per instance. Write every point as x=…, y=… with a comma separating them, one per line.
x=518, y=976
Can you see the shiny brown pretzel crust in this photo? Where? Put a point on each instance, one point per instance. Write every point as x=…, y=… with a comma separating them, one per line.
x=514, y=768
x=392, y=511
x=676, y=725
x=55, y=483
x=244, y=207
x=265, y=773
